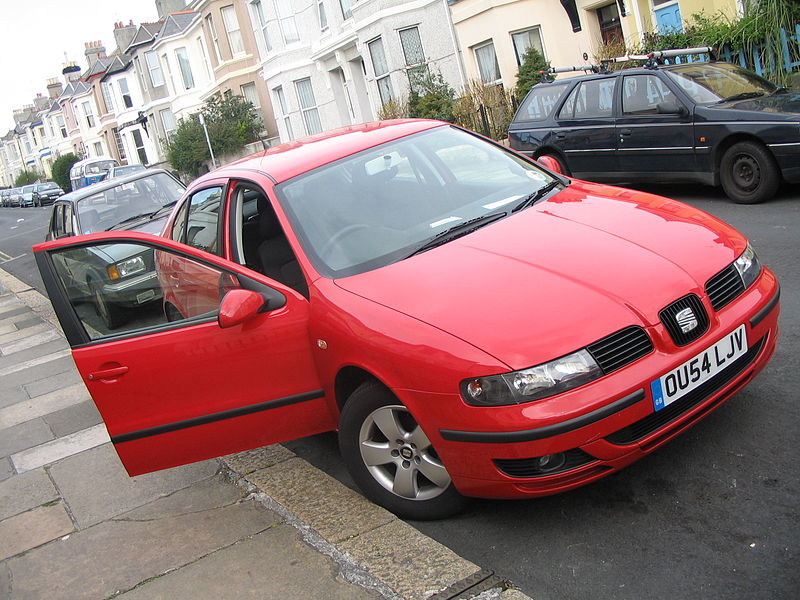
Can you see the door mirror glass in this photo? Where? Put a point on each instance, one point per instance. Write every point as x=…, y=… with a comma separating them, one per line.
x=239, y=306
x=121, y=287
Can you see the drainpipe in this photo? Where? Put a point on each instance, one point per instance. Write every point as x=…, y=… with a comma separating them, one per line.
x=453, y=37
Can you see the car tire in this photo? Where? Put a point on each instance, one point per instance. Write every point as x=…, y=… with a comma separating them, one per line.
x=749, y=174
x=561, y=164
x=391, y=459
x=111, y=314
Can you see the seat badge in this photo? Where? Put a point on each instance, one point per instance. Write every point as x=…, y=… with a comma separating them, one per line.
x=686, y=320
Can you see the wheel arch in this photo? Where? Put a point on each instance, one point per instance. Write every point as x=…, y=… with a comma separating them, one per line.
x=348, y=379
x=721, y=148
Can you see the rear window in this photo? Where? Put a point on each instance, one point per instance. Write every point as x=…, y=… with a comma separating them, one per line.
x=540, y=101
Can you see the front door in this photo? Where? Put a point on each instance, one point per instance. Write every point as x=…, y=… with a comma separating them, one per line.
x=655, y=131
x=181, y=389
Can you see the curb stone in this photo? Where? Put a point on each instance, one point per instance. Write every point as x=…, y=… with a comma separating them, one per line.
x=373, y=548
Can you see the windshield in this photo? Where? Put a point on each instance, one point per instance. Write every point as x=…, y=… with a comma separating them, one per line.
x=46, y=186
x=710, y=83
x=27, y=189
x=383, y=204
x=100, y=166
x=143, y=197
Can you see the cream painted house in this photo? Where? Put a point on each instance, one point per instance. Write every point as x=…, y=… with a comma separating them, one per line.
x=492, y=35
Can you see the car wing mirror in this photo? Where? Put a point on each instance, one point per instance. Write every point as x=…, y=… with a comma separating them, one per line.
x=670, y=107
x=238, y=306
x=548, y=162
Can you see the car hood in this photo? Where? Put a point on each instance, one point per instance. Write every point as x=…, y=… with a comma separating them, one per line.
x=784, y=103
x=146, y=225
x=562, y=274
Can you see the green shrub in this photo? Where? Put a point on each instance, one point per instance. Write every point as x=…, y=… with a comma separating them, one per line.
x=529, y=73
x=60, y=170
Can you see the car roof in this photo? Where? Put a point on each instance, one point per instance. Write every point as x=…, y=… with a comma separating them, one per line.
x=95, y=188
x=288, y=160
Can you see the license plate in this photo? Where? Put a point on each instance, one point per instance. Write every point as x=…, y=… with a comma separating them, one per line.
x=694, y=372
x=145, y=296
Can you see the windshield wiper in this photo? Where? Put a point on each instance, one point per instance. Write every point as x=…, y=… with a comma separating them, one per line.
x=779, y=90
x=146, y=215
x=537, y=195
x=457, y=231
x=742, y=96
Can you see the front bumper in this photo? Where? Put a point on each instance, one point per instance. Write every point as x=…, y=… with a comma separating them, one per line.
x=493, y=452
x=136, y=291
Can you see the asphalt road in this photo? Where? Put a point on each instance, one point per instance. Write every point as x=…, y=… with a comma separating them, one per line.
x=714, y=514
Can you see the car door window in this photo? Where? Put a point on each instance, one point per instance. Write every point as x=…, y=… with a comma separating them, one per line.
x=57, y=225
x=641, y=95
x=122, y=287
x=589, y=100
x=202, y=220
x=541, y=101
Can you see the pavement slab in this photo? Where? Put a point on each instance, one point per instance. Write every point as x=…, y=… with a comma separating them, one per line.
x=24, y=492
x=272, y=565
x=118, y=555
x=412, y=564
x=30, y=529
x=56, y=381
x=74, y=418
x=30, y=354
x=11, y=395
x=19, y=334
x=43, y=358
x=6, y=471
x=337, y=512
x=63, y=447
x=43, y=405
x=23, y=436
x=25, y=342
x=96, y=487
x=21, y=375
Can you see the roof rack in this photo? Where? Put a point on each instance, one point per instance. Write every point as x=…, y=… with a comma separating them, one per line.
x=651, y=60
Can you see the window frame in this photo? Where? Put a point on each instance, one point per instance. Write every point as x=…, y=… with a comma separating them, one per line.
x=153, y=69
x=308, y=111
x=233, y=30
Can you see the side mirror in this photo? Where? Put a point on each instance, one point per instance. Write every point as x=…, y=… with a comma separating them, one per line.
x=548, y=162
x=671, y=107
x=238, y=306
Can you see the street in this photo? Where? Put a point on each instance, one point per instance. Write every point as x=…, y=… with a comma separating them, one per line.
x=714, y=514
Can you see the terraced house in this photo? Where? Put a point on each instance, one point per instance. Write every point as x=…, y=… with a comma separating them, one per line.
x=306, y=65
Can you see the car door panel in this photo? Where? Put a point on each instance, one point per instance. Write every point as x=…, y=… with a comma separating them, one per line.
x=585, y=132
x=177, y=392
x=652, y=144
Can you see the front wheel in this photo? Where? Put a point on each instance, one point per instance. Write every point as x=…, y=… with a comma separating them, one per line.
x=748, y=173
x=563, y=169
x=391, y=459
x=110, y=313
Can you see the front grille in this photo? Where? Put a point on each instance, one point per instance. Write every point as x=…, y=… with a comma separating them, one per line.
x=724, y=287
x=529, y=467
x=669, y=317
x=644, y=427
x=621, y=348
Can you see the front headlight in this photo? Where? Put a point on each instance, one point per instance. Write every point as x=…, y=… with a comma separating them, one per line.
x=748, y=266
x=538, y=382
x=126, y=268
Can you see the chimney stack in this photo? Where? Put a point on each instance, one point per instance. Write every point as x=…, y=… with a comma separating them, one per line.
x=93, y=51
x=123, y=35
x=54, y=88
x=71, y=72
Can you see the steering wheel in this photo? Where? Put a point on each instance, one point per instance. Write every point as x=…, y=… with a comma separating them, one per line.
x=340, y=235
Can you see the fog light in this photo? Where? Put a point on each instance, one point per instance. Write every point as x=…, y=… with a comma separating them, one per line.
x=550, y=462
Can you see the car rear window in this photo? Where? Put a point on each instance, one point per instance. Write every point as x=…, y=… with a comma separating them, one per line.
x=540, y=101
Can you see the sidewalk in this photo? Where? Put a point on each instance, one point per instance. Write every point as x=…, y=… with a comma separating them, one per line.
x=260, y=524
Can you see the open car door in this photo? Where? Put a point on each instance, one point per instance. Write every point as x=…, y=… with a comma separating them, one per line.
x=198, y=361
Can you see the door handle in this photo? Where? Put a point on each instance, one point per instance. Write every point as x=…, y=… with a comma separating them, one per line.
x=625, y=132
x=108, y=373
x=561, y=135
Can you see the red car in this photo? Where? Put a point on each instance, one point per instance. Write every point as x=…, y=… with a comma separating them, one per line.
x=471, y=323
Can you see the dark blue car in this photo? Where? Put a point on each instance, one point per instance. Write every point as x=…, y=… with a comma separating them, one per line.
x=704, y=122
